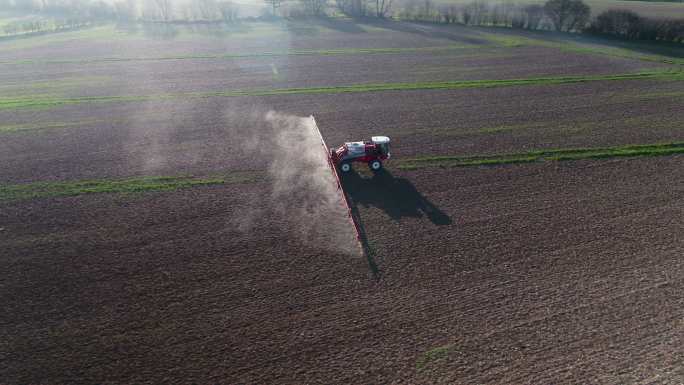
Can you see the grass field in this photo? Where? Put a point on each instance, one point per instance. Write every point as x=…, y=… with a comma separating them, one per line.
x=547, y=155
x=166, y=216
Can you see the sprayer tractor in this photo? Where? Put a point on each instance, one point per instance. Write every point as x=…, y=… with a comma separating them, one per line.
x=371, y=153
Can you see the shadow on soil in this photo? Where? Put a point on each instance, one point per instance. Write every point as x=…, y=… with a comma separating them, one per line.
x=453, y=32
x=397, y=197
x=347, y=26
x=172, y=30
x=312, y=26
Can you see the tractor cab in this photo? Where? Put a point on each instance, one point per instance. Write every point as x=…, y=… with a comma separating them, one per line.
x=382, y=144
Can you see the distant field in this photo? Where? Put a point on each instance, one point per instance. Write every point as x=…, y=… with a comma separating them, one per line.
x=526, y=230
x=644, y=8
x=12, y=17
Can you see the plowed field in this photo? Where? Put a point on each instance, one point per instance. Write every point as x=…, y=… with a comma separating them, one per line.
x=115, y=269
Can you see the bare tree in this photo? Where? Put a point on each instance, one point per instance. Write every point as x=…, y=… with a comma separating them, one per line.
x=165, y=9
x=187, y=12
x=125, y=10
x=27, y=5
x=567, y=15
x=208, y=9
x=382, y=8
x=11, y=28
x=353, y=8
x=533, y=16
x=495, y=15
x=581, y=14
x=467, y=15
x=618, y=22
x=275, y=4
x=507, y=11
x=315, y=7
x=475, y=13
x=449, y=13
x=228, y=10
x=427, y=13
x=629, y=25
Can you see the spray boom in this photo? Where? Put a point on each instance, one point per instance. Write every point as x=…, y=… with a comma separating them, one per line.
x=332, y=164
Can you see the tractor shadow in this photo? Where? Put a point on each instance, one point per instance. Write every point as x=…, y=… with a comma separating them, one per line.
x=397, y=197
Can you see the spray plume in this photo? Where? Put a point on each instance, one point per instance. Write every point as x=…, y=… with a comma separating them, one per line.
x=303, y=191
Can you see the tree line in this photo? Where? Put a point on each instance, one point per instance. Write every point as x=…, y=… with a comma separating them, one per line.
x=133, y=10
x=559, y=15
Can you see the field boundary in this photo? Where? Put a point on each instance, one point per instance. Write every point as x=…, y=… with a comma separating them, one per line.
x=344, y=199
x=296, y=52
x=35, y=190
x=658, y=149
x=579, y=47
x=47, y=102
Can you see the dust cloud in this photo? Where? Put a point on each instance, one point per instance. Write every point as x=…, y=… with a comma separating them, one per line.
x=303, y=195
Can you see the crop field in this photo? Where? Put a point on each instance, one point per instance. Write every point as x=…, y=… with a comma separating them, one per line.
x=167, y=216
x=656, y=9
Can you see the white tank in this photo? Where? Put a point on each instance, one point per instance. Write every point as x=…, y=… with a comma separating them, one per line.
x=356, y=148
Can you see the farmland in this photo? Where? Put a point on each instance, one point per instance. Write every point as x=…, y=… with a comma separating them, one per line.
x=158, y=222
x=643, y=8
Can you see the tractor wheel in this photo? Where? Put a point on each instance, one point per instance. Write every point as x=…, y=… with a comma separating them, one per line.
x=375, y=165
x=345, y=167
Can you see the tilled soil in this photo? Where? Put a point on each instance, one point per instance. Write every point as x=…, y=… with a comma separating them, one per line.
x=556, y=272
x=230, y=74
x=570, y=272
x=559, y=273
x=250, y=37
x=205, y=136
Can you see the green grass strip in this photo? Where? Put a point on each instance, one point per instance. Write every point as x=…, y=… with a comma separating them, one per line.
x=301, y=52
x=629, y=51
x=46, y=102
x=542, y=156
x=132, y=185
x=434, y=355
x=615, y=52
x=10, y=128
x=27, y=127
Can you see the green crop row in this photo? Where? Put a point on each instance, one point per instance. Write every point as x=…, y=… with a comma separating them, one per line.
x=542, y=156
x=131, y=185
x=631, y=51
x=301, y=52
x=46, y=102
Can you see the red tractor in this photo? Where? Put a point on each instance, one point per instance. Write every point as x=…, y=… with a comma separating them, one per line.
x=372, y=153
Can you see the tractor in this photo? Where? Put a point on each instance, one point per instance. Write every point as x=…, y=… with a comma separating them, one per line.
x=371, y=153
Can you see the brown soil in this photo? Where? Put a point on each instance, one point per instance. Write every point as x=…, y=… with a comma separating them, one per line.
x=204, y=136
x=207, y=75
x=558, y=272
x=534, y=273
